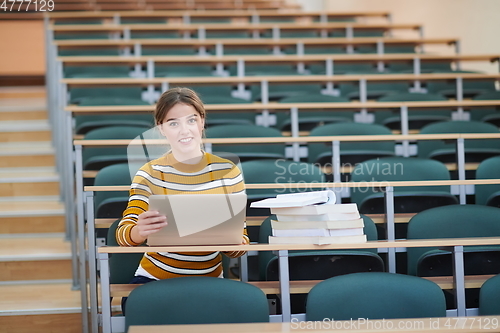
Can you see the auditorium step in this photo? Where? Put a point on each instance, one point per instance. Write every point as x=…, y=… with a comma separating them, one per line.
x=24, y=130
x=26, y=154
x=40, y=307
x=35, y=257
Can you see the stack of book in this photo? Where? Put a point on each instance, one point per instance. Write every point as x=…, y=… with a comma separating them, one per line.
x=313, y=218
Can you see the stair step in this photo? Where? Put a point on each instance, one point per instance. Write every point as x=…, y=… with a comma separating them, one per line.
x=28, y=182
x=27, y=154
x=23, y=109
x=42, y=214
x=24, y=130
x=40, y=307
x=23, y=92
x=19, y=255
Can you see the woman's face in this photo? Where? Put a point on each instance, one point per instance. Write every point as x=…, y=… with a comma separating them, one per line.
x=183, y=127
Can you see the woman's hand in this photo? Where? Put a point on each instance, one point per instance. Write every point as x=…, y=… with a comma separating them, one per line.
x=148, y=223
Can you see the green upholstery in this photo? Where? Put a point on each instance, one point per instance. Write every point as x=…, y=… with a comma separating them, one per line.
x=108, y=70
x=372, y=32
x=337, y=19
x=95, y=158
x=375, y=295
x=454, y=221
x=346, y=261
x=104, y=94
x=122, y=266
x=350, y=152
x=488, y=115
x=426, y=66
x=196, y=300
x=247, y=151
x=81, y=35
x=342, y=67
x=276, y=172
x=200, y=20
x=111, y=204
x=488, y=194
x=225, y=34
x=246, y=50
x=407, y=199
x=266, y=70
x=471, y=88
x=311, y=119
x=143, y=20
x=135, y=34
x=475, y=150
x=277, y=19
x=108, y=51
x=388, y=48
x=78, y=21
x=292, y=34
x=278, y=91
x=183, y=70
x=374, y=89
x=417, y=118
x=85, y=124
x=168, y=50
x=488, y=297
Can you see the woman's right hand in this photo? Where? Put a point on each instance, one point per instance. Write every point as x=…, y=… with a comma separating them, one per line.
x=148, y=223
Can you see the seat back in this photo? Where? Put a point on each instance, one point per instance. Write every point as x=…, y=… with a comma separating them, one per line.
x=489, y=296
x=111, y=204
x=122, y=266
x=319, y=265
x=350, y=152
x=454, y=221
x=95, y=158
x=375, y=295
x=488, y=194
x=409, y=198
x=247, y=151
x=475, y=150
x=196, y=300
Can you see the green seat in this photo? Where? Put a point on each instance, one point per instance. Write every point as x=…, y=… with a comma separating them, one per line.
x=143, y=20
x=456, y=221
x=112, y=204
x=337, y=19
x=342, y=67
x=225, y=34
x=374, y=89
x=106, y=96
x=196, y=300
x=417, y=118
x=183, y=70
x=95, y=158
x=278, y=91
x=491, y=116
x=167, y=50
x=488, y=194
x=247, y=151
x=475, y=150
x=122, y=266
x=351, y=153
x=375, y=295
x=86, y=124
x=154, y=35
x=265, y=70
x=110, y=71
x=78, y=21
x=108, y=51
x=201, y=20
x=408, y=199
x=310, y=119
x=488, y=297
x=81, y=35
x=426, y=66
x=218, y=94
x=279, y=171
x=470, y=88
x=292, y=34
x=369, y=32
x=318, y=265
x=246, y=50
x=388, y=48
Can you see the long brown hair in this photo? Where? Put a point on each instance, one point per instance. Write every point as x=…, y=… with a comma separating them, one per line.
x=178, y=95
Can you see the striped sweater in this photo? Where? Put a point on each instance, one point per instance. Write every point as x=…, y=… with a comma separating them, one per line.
x=165, y=175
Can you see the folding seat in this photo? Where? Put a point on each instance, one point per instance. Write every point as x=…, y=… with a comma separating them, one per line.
x=191, y=301
x=488, y=194
x=488, y=297
x=489, y=114
x=350, y=152
x=455, y=221
x=416, y=118
x=247, y=152
x=311, y=119
x=375, y=295
x=317, y=265
x=408, y=199
x=476, y=150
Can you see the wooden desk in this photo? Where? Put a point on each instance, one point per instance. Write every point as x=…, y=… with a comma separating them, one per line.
x=443, y=324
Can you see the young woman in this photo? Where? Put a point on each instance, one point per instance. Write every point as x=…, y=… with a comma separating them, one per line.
x=180, y=117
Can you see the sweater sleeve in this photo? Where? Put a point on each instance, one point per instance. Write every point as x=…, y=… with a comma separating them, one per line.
x=138, y=203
